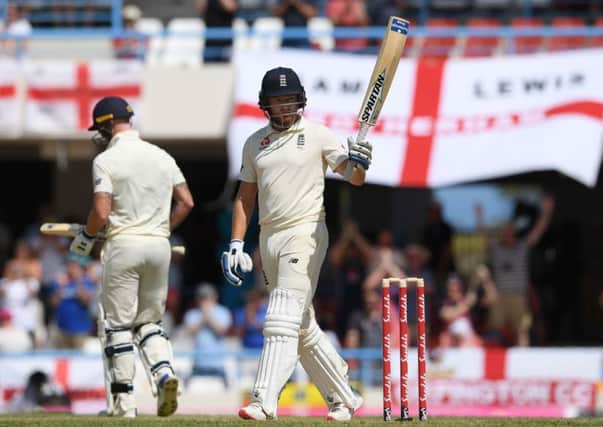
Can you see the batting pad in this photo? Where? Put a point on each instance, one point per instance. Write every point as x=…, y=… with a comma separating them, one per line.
x=325, y=367
x=119, y=351
x=279, y=355
x=155, y=349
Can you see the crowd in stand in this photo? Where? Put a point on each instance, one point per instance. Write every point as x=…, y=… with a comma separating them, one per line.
x=48, y=296
x=236, y=14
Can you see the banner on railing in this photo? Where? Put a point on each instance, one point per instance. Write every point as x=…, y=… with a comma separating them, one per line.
x=448, y=122
x=10, y=117
x=61, y=94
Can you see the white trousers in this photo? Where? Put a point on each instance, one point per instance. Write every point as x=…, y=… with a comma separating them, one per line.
x=134, y=280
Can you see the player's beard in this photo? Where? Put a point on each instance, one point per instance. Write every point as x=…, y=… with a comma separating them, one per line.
x=284, y=121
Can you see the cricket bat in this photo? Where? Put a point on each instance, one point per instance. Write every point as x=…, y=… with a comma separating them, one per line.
x=383, y=74
x=70, y=230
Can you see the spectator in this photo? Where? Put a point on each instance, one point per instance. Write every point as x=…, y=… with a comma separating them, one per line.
x=12, y=338
x=18, y=294
x=348, y=258
x=18, y=29
x=218, y=14
x=208, y=323
x=295, y=13
x=25, y=261
x=348, y=13
x=509, y=257
x=133, y=45
x=436, y=236
x=249, y=320
x=458, y=330
x=70, y=295
x=386, y=261
x=364, y=331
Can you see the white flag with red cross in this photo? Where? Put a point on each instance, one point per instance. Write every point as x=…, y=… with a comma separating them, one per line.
x=10, y=113
x=448, y=122
x=61, y=94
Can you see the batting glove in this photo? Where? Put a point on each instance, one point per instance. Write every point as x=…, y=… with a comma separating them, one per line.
x=235, y=262
x=82, y=243
x=360, y=152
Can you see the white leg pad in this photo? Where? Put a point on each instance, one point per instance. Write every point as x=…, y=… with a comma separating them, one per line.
x=119, y=351
x=155, y=351
x=325, y=367
x=279, y=354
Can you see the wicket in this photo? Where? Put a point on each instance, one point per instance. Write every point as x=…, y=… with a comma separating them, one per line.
x=421, y=344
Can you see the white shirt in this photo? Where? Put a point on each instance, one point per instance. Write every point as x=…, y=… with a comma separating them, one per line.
x=141, y=177
x=289, y=168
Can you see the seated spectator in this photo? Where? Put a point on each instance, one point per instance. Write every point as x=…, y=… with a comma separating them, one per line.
x=295, y=13
x=218, y=14
x=70, y=295
x=348, y=13
x=132, y=46
x=18, y=29
x=457, y=330
x=12, y=338
x=249, y=320
x=208, y=323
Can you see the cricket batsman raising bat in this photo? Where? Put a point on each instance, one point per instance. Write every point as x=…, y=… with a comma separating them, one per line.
x=380, y=82
x=283, y=166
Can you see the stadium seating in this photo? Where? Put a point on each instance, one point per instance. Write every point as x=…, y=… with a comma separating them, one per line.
x=321, y=29
x=268, y=33
x=564, y=42
x=241, y=38
x=184, y=43
x=525, y=44
x=597, y=41
x=153, y=28
x=481, y=45
x=439, y=47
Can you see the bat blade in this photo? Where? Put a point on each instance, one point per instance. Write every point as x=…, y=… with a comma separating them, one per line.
x=64, y=229
x=383, y=73
x=60, y=229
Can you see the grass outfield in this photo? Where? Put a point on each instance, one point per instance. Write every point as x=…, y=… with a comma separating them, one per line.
x=48, y=420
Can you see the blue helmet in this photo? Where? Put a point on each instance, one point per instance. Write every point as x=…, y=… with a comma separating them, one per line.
x=281, y=81
x=109, y=108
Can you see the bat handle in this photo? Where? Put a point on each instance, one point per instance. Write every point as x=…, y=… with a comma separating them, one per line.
x=363, y=131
